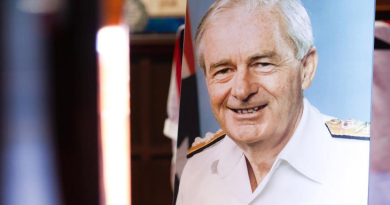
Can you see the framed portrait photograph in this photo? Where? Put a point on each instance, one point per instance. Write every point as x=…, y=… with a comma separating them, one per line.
x=278, y=110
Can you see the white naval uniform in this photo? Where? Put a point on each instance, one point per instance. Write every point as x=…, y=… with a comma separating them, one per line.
x=313, y=168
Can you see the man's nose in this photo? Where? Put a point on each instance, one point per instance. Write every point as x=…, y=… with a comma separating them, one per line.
x=244, y=87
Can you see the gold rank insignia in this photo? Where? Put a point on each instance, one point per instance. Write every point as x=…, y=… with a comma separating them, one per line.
x=201, y=144
x=349, y=129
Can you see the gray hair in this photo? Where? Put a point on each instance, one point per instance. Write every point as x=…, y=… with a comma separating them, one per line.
x=296, y=20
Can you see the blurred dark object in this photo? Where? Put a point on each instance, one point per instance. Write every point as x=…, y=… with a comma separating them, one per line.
x=74, y=80
x=382, y=10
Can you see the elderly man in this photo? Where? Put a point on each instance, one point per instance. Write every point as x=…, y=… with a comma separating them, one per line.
x=274, y=147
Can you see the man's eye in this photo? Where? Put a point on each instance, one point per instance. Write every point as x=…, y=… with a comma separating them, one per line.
x=264, y=67
x=264, y=64
x=222, y=73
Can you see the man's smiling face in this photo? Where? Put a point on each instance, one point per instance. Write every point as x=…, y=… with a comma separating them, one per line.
x=252, y=75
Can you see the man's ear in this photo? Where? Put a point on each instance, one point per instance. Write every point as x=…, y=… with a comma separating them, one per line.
x=309, y=66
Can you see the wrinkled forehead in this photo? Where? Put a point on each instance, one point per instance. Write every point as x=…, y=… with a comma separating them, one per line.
x=241, y=30
x=262, y=13
x=244, y=19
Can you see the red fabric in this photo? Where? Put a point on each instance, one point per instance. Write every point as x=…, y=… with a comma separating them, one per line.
x=188, y=48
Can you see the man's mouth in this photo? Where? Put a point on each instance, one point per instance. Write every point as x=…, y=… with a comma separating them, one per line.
x=249, y=110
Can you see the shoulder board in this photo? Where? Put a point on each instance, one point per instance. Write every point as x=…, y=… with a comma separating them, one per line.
x=201, y=144
x=349, y=129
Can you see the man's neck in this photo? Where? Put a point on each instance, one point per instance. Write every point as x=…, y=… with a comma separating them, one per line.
x=261, y=156
x=260, y=161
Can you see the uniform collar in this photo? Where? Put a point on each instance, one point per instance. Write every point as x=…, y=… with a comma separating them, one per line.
x=306, y=150
x=229, y=156
x=232, y=170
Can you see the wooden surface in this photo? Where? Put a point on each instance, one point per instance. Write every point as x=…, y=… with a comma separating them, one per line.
x=151, y=63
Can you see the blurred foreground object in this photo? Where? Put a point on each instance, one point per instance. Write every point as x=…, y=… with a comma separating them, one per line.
x=112, y=45
x=114, y=106
x=40, y=6
x=380, y=132
x=28, y=172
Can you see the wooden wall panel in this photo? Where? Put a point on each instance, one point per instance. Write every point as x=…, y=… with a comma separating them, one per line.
x=151, y=64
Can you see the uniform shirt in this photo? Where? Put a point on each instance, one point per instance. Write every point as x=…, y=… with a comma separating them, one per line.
x=313, y=168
